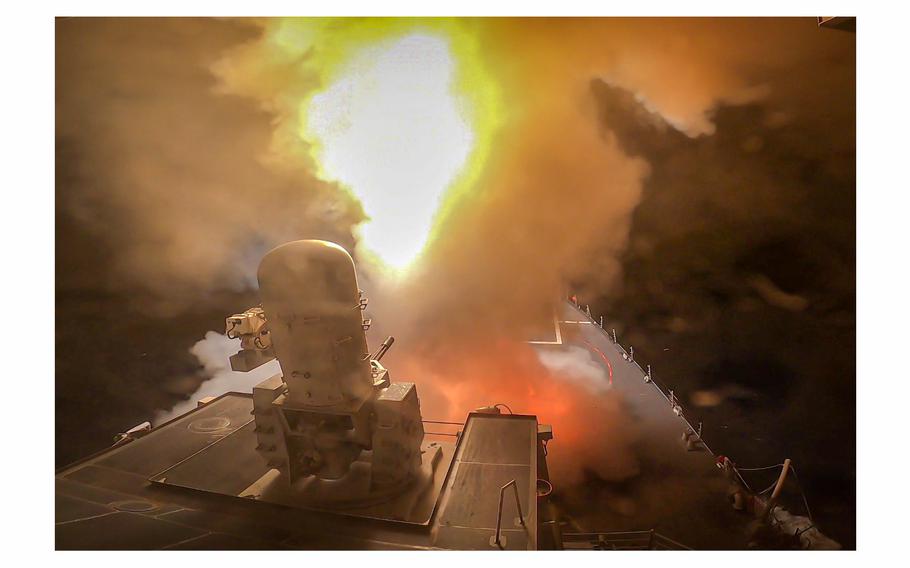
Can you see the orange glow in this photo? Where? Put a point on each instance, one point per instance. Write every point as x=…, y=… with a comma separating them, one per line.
x=590, y=431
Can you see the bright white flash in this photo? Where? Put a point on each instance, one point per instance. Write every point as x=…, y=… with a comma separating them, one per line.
x=390, y=129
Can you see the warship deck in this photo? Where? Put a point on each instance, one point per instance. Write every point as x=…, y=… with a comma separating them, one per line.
x=120, y=499
x=679, y=492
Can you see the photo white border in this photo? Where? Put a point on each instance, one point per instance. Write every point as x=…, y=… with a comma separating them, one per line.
x=28, y=278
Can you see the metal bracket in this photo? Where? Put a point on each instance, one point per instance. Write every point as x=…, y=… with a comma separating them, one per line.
x=498, y=540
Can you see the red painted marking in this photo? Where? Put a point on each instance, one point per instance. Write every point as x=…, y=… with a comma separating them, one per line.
x=602, y=356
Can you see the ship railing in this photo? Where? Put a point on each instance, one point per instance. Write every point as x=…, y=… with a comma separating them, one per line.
x=678, y=410
x=447, y=428
x=629, y=356
x=620, y=540
x=667, y=393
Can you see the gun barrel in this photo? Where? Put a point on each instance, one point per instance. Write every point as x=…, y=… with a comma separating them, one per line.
x=384, y=348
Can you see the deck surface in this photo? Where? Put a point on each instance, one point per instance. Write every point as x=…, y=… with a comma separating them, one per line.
x=679, y=493
x=109, y=501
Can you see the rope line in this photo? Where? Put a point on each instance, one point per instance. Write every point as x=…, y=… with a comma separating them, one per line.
x=760, y=468
x=802, y=494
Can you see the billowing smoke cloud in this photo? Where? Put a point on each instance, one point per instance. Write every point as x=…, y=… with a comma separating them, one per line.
x=214, y=352
x=193, y=126
x=170, y=174
x=575, y=363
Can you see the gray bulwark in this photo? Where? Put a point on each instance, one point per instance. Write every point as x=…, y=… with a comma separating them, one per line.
x=494, y=450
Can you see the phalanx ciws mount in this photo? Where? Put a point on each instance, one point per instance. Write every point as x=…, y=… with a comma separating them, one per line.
x=333, y=406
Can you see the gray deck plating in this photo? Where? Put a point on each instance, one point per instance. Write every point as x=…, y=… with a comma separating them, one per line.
x=680, y=493
x=107, y=501
x=232, y=467
x=501, y=448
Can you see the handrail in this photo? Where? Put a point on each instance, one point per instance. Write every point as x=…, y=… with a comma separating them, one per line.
x=502, y=494
x=627, y=540
x=675, y=402
x=651, y=379
x=634, y=362
x=446, y=422
x=669, y=540
x=678, y=410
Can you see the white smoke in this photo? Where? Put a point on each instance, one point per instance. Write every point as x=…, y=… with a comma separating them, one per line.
x=214, y=352
x=577, y=365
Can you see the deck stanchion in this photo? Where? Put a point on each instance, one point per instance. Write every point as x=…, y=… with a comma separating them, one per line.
x=497, y=540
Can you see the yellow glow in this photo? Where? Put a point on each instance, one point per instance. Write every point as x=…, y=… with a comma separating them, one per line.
x=389, y=128
x=404, y=121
